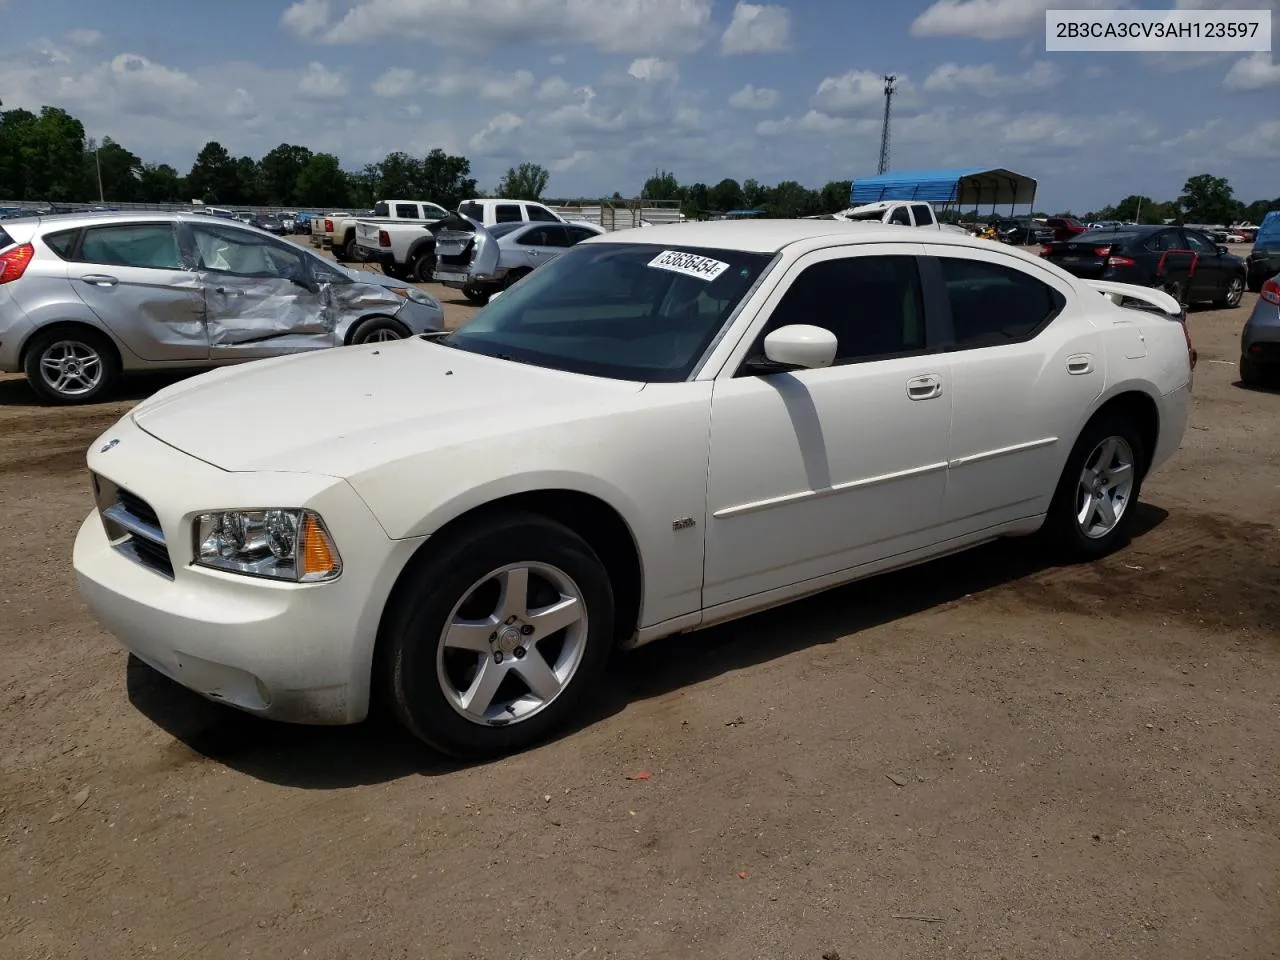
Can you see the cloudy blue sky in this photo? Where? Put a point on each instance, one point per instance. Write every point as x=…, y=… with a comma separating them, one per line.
x=603, y=92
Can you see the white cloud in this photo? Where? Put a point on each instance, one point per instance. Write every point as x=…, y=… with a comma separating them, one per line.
x=320, y=83
x=508, y=86
x=994, y=19
x=755, y=98
x=757, y=28
x=84, y=37
x=653, y=70
x=558, y=60
x=496, y=136
x=1254, y=72
x=395, y=82
x=856, y=90
x=987, y=81
x=623, y=26
x=813, y=122
x=553, y=89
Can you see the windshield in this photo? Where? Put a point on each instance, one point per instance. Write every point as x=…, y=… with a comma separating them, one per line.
x=628, y=311
x=866, y=215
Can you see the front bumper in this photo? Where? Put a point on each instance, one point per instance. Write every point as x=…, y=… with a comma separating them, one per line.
x=295, y=652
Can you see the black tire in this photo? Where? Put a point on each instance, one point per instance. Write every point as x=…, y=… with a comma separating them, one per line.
x=68, y=342
x=1250, y=372
x=1233, y=294
x=395, y=271
x=431, y=590
x=342, y=251
x=424, y=266
x=1062, y=527
x=477, y=295
x=379, y=330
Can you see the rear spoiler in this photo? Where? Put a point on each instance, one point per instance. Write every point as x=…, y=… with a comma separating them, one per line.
x=1117, y=293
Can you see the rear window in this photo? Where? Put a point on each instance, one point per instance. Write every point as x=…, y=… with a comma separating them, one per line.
x=60, y=242
x=381, y=210
x=472, y=210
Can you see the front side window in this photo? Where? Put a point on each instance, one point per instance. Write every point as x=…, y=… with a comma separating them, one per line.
x=900, y=216
x=540, y=213
x=627, y=311
x=536, y=237
x=238, y=252
x=151, y=245
x=992, y=304
x=873, y=304
x=1200, y=243
x=923, y=215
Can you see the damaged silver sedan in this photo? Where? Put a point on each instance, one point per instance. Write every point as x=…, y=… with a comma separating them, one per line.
x=85, y=297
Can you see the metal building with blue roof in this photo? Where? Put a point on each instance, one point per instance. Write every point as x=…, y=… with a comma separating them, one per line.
x=965, y=187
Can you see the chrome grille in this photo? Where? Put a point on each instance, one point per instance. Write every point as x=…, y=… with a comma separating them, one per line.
x=132, y=526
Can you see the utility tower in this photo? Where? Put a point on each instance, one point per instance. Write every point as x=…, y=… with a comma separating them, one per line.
x=889, y=81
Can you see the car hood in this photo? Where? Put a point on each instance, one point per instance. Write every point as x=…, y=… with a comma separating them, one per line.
x=345, y=410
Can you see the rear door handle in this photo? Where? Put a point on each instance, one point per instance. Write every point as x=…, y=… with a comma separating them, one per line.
x=99, y=280
x=924, y=388
x=1080, y=364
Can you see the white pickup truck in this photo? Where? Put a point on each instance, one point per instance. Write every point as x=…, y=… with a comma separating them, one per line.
x=406, y=250
x=905, y=213
x=342, y=231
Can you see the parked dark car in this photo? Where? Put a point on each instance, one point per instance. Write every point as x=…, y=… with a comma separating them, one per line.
x=1064, y=228
x=1260, y=338
x=1184, y=263
x=1023, y=231
x=1263, y=262
x=269, y=224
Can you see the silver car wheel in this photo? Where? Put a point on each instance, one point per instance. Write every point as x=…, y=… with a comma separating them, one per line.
x=512, y=644
x=382, y=336
x=1106, y=486
x=71, y=368
x=1235, y=292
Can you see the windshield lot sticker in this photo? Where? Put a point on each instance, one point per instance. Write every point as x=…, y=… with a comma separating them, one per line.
x=689, y=264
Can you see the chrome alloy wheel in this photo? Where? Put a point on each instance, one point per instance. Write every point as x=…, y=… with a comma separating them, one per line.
x=1106, y=486
x=71, y=367
x=1235, y=292
x=383, y=335
x=512, y=644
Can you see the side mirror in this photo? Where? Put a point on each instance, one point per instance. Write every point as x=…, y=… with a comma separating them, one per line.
x=801, y=345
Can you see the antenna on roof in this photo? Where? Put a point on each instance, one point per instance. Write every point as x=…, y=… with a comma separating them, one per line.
x=889, y=81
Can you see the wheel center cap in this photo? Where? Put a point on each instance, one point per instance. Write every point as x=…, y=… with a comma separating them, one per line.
x=508, y=639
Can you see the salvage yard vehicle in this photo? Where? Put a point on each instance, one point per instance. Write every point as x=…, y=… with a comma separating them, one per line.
x=344, y=229
x=480, y=261
x=660, y=430
x=404, y=249
x=489, y=212
x=85, y=297
x=1263, y=261
x=1260, y=338
x=1184, y=263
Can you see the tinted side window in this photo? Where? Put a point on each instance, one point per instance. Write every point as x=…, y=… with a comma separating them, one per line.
x=537, y=237
x=923, y=215
x=153, y=245
x=1200, y=243
x=60, y=242
x=472, y=209
x=380, y=209
x=537, y=212
x=1164, y=240
x=993, y=304
x=407, y=211
x=578, y=234
x=872, y=304
x=899, y=215
x=507, y=213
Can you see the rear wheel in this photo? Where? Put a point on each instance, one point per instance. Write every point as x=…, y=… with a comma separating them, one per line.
x=495, y=640
x=71, y=366
x=476, y=295
x=1233, y=295
x=1093, y=507
x=342, y=250
x=424, y=268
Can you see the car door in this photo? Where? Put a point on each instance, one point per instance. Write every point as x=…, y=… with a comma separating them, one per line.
x=540, y=244
x=1026, y=364
x=1207, y=280
x=132, y=276
x=261, y=298
x=813, y=472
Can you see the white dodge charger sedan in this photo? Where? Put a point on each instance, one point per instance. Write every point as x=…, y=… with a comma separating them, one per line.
x=661, y=430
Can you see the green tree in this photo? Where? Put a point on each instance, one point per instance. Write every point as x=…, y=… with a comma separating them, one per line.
x=16, y=132
x=663, y=185
x=754, y=195
x=248, y=181
x=119, y=169
x=53, y=156
x=279, y=170
x=322, y=182
x=835, y=196
x=696, y=201
x=160, y=183
x=1208, y=199
x=525, y=182
x=1253, y=212
x=213, y=177
x=725, y=196
x=446, y=179
x=792, y=199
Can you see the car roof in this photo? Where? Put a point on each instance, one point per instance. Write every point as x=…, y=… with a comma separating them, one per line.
x=770, y=236
x=51, y=221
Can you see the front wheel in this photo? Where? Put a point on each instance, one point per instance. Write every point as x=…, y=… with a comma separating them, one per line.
x=476, y=295
x=1093, y=507
x=494, y=641
x=1233, y=295
x=379, y=330
x=71, y=366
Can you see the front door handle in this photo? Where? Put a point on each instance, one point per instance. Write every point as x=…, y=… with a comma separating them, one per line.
x=1080, y=364
x=924, y=388
x=228, y=293
x=99, y=280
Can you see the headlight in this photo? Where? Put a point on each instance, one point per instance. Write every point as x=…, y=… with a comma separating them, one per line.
x=276, y=543
x=417, y=296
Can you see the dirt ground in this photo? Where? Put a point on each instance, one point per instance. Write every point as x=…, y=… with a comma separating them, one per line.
x=983, y=757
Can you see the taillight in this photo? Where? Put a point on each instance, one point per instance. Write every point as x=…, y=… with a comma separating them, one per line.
x=328, y=226
x=1271, y=292
x=384, y=238
x=1120, y=262
x=13, y=263
x=1101, y=251
x=1045, y=251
